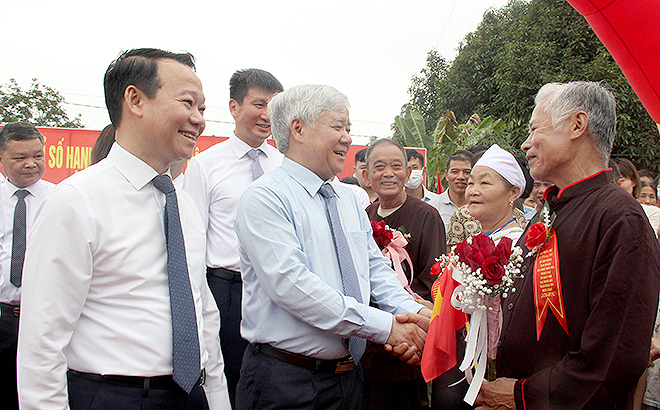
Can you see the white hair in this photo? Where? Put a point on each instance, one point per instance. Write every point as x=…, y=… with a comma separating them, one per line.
x=307, y=103
x=560, y=101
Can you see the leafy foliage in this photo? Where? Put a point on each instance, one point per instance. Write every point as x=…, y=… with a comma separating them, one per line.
x=39, y=105
x=448, y=137
x=514, y=51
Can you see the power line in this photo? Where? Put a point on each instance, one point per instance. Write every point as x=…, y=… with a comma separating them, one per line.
x=84, y=105
x=446, y=23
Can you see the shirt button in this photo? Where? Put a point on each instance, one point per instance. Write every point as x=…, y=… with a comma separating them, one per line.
x=524, y=268
x=510, y=306
x=499, y=343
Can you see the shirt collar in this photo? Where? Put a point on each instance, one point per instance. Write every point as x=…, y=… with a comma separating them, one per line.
x=446, y=199
x=136, y=171
x=10, y=189
x=425, y=197
x=306, y=178
x=588, y=184
x=241, y=148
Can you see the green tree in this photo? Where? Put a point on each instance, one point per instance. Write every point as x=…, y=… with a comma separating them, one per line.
x=425, y=90
x=39, y=105
x=447, y=137
x=523, y=45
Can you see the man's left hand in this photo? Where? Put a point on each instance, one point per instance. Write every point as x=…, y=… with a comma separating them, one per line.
x=497, y=395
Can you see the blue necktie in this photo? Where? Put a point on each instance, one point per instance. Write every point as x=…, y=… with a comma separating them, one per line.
x=19, y=233
x=185, y=341
x=257, y=171
x=349, y=279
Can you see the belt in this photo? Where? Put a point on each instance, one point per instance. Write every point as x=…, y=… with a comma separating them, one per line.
x=154, y=382
x=225, y=274
x=337, y=366
x=10, y=310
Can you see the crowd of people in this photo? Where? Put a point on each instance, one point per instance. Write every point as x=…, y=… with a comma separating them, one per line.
x=254, y=279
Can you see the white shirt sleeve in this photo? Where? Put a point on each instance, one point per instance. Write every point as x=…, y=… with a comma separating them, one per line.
x=47, y=323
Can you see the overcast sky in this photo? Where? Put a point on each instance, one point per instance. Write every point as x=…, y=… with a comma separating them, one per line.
x=369, y=50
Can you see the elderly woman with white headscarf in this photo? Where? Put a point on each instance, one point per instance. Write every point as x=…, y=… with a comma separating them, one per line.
x=495, y=183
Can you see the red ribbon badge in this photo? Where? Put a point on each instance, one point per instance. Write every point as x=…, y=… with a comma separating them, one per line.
x=547, y=285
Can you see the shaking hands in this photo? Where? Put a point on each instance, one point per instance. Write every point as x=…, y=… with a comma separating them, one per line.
x=408, y=335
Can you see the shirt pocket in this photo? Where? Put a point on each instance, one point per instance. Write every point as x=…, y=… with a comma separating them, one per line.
x=359, y=253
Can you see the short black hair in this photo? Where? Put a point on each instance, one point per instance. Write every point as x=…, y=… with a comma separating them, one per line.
x=385, y=141
x=138, y=67
x=646, y=173
x=350, y=180
x=460, y=155
x=242, y=80
x=19, y=130
x=361, y=155
x=529, y=181
x=411, y=153
x=651, y=184
x=476, y=148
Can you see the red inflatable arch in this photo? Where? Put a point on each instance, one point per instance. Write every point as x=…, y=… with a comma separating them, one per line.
x=630, y=30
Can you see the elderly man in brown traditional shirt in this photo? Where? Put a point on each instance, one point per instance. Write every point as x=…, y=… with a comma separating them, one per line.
x=609, y=268
x=388, y=382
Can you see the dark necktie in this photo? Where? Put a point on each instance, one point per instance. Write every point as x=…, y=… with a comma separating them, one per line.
x=19, y=234
x=257, y=171
x=185, y=341
x=349, y=279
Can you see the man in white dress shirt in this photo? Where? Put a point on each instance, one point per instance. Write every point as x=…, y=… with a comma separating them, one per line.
x=97, y=321
x=216, y=179
x=22, y=160
x=459, y=166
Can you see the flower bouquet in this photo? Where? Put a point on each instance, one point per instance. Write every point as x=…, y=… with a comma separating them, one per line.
x=485, y=273
x=393, y=245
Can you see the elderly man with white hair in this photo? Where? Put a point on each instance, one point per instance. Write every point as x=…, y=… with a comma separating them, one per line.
x=576, y=333
x=310, y=268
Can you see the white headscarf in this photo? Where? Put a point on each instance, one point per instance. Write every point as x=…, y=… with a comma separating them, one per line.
x=505, y=164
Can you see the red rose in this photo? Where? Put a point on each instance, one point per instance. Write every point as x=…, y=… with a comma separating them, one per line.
x=476, y=258
x=492, y=270
x=437, y=268
x=536, y=235
x=483, y=242
x=463, y=250
x=378, y=227
x=386, y=238
x=503, y=250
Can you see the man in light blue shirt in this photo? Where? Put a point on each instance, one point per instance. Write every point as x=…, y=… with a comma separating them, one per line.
x=296, y=314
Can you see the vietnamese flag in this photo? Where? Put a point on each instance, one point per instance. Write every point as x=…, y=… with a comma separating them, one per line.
x=439, y=353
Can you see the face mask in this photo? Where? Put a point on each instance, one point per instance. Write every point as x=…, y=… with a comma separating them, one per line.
x=415, y=179
x=528, y=209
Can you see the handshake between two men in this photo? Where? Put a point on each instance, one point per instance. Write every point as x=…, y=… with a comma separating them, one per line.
x=408, y=335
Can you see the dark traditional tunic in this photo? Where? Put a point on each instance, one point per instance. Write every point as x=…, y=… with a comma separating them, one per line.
x=427, y=238
x=390, y=383
x=610, y=276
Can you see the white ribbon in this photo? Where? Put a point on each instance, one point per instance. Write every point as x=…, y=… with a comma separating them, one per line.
x=476, y=352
